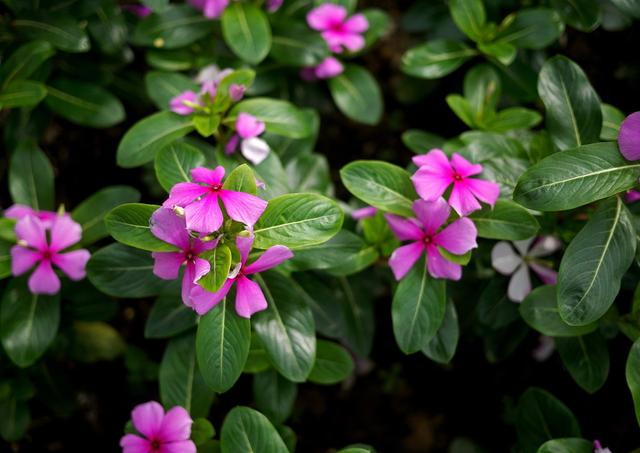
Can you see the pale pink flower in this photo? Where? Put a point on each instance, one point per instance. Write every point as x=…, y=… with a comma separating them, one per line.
x=18, y=211
x=211, y=9
x=338, y=31
x=248, y=128
x=161, y=432
x=212, y=73
x=171, y=228
x=509, y=262
x=249, y=296
x=362, y=213
x=435, y=174
x=183, y=104
x=629, y=137
x=34, y=248
x=457, y=238
x=200, y=201
x=326, y=69
x=598, y=448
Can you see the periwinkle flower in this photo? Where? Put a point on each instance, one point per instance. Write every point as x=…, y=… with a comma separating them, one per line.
x=18, y=211
x=273, y=5
x=457, y=238
x=632, y=196
x=160, y=432
x=185, y=103
x=248, y=128
x=211, y=9
x=338, y=31
x=629, y=137
x=328, y=68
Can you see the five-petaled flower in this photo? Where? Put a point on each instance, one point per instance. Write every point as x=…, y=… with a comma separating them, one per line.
x=34, y=248
x=249, y=296
x=200, y=201
x=161, y=432
x=457, y=238
x=435, y=174
x=171, y=228
x=248, y=128
x=338, y=31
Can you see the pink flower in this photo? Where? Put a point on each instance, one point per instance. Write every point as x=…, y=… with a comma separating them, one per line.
x=249, y=296
x=273, y=5
x=18, y=211
x=161, y=432
x=630, y=197
x=362, y=213
x=457, y=238
x=435, y=174
x=211, y=9
x=171, y=228
x=236, y=91
x=183, y=104
x=33, y=248
x=506, y=261
x=139, y=10
x=338, y=31
x=326, y=69
x=598, y=448
x=248, y=128
x=200, y=201
x=629, y=137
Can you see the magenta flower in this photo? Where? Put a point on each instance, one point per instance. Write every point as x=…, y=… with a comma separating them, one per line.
x=362, y=213
x=34, y=248
x=160, y=432
x=184, y=103
x=630, y=197
x=139, y=10
x=339, y=32
x=169, y=227
x=598, y=448
x=506, y=261
x=211, y=9
x=248, y=128
x=629, y=137
x=457, y=238
x=326, y=69
x=236, y=91
x=273, y=5
x=249, y=296
x=18, y=211
x=200, y=201
x=435, y=174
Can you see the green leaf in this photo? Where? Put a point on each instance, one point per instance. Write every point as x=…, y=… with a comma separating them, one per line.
x=593, y=265
x=380, y=24
x=436, y=58
x=24, y=61
x=587, y=360
x=109, y=29
x=470, y=17
x=505, y=221
x=121, y=271
x=358, y=313
x=357, y=95
x=175, y=27
x=309, y=173
x=628, y=7
x=5, y=258
x=280, y=117
x=534, y=28
x=28, y=322
x=257, y=361
x=220, y=261
x=504, y=52
x=241, y=179
x=202, y=431
x=244, y=77
x=633, y=376
x=174, y=163
x=298, y=220
x=421, y=142
x=442, y=347
x=61, y=31
x=463, y=110
x=576, y=177
x=482, y=90
x=91, y=212
x=206, y=124
x=15, y=419
x=574, y=445
x=31, y=177
x=222, y=346
x=513, y=118
x=181, y=383
x=130, y=224
x=540, y=310
x=574, y=117
x=246, y=31
x=611, y=120
x=418, y=308
x=322, y=294
x=274, y=395
x=333, y=364
x=22, y=93
x=169, y=317
x=286, y=328
x=142, y=142
x=245, y=429
x=297, y=45
x=380, y=184
x=583, y=15
x=541, y=417
x=163, y=86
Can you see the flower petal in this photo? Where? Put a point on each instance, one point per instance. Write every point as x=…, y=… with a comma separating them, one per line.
x=435, y=161
x=243, y=207
x=523, y=246
x=214, y=8
x=328, y=68
x=357, y=23
x=249, y=297
x=22, y=259
x=429, y=185
x=255, y=150
x=147, y=418
x=325, y=16
x=403, y=258
x=244, y=245
x=520, y=284
x=179, y=104
x=463, y=167
x=64, y=233
x=271, y=257
x=131, y=443
x=18, y=211
x=352, y=41
x=362, y=213
x=207, y=176
x=184, y=446
x=44, y=280
x=462, y=200
x=31, y=230
x=200, y=268
x=432, y=214
x=248, y=126
x=176, y=425
x=202, y=300
x=458, y=237
x=170, y=227
x=404, y=229
x=546, y=275
x=629, y=137
x=504, y=259
x=73, y=263
x=486, y=191
x=205, y=215
x=183, y=194
x=167, y=264
x=545, y=246
x=439, y=267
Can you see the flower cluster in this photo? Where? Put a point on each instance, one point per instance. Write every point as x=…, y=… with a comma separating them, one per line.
x=209, y=79
x=192, y=220
x=433, y=178
x=339, y=32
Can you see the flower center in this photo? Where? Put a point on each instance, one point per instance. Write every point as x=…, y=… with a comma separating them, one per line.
x=427, y=240
x=215, y=188
x=457, y=177
x=189, y=255
x=46, y=255
x=155, y=445
x=337, y=27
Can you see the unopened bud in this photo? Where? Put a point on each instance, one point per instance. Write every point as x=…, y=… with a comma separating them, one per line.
x=236, y=92
x=61, y=210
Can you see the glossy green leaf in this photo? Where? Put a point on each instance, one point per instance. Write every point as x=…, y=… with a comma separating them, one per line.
x=583, y=15
x=274, y=395
x=130, y=224
x=246, y=31
x=222, y=345
x=169, y=317
x=436, y=59
x=31, y=177
x=504, y=52
x=470, y=17
x=245, y=429
x=61, y=31
x=174, y=163
x=280, y=117
x=628, y=7
x=633, y=376
x=513, y=118
x=421, y=142
x=22, y=93
x=333, y=364
x=573, y=115
x=442, y=347
x=219, y=259
x=309, y=173
x=534, y=28
x=15, y=420
x=576, y=177
x=163, y=86
x=482, y=90
x=587, y=360
x=506, y=221
x=297, y=45
x=177, y=26
x=611, y=120
x=241, y=179
x=569, y=445
x=24, y=61
x=593, y=265
x=5, y=258
x=357, y=95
